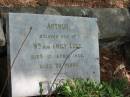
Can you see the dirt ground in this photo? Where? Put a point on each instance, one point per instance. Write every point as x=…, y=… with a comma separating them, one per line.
x=86, y=3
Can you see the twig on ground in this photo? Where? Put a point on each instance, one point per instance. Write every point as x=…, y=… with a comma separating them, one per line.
x=49, y=92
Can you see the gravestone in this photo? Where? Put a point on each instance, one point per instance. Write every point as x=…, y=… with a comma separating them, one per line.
x=43, y=43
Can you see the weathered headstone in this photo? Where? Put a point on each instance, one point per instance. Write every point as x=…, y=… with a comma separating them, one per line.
x=51, y=39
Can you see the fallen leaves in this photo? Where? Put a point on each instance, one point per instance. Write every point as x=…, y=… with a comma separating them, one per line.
x=113, y=65
x=81, y=3
x=18, y=3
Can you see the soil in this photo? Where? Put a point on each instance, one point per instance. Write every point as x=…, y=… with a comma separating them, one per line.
x=85, y=3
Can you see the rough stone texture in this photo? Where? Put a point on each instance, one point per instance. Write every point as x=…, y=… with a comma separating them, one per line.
x=113, y=22
x=51, y=11
x=2, y=36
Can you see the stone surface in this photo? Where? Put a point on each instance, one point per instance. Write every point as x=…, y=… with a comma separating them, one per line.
x=2, y=37
x=112, y=22
x=51, y=40
x=51, y=11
